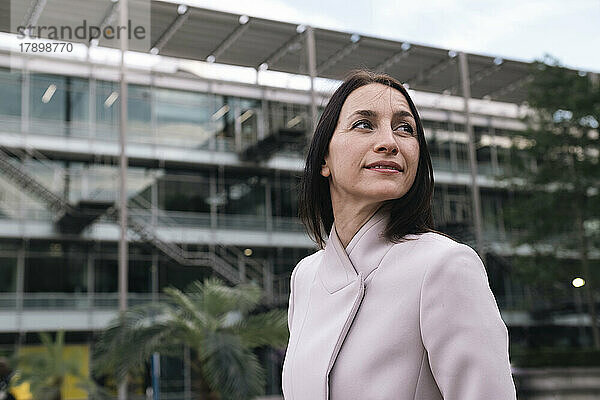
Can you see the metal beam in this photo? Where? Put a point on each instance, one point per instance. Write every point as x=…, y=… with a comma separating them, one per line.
x=285, y=48
x=337, y=57
x=230, y=39
x=34, y=13
x=484, y=73
x=423, y=75
x=311, y=54
x=170, y=31
x=123, y=243
x=466, y=92
x=395, y=59
x=109, y=16
x=510, y=87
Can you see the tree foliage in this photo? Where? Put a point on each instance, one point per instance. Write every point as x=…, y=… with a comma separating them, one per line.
x=47, y=371
x=556, y=160
x=557, y=185
x=214, y=320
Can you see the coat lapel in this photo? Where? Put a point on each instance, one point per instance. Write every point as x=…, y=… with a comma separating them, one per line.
x=335, y=297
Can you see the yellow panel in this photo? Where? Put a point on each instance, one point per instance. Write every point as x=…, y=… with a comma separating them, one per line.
x=69, y=390
x=21, y=392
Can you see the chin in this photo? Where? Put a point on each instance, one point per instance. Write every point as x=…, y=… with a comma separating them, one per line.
x=385, y=195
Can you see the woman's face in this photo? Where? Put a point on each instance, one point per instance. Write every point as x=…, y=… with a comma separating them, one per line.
x=375, y=127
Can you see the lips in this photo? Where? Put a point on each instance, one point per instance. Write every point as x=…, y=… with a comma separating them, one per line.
x=384, y=165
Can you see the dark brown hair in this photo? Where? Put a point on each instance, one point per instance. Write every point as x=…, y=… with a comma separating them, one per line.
x=409, y=214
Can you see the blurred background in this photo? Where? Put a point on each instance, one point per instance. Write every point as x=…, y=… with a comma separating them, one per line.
x=221, y=101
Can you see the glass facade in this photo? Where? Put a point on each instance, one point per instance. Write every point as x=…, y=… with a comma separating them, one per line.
x=73, y=106
x=210, y=195
x=175, y=196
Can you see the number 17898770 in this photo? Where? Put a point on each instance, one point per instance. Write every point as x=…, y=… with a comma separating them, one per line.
x=46, y=47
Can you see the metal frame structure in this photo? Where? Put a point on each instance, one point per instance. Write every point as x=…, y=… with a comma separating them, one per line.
x=186, y=32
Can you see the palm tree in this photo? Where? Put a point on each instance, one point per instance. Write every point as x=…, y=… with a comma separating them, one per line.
x=214, y=320
x=46, y=371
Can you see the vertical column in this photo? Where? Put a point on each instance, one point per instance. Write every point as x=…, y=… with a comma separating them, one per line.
x=312, y=71
x=268, y=280
x=123, y=250
x=20, y=283
x=90, y=284
x=268, y=208
x=92, y=108
x=466, y=91
x=187, y=376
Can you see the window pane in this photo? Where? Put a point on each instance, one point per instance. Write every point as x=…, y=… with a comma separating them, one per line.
x=61, y=273
x=187, y=118
x=10, y=101
x=8, y=274
x=47, y=104
x=139, y=114
x=107, y=110
x=106, y=275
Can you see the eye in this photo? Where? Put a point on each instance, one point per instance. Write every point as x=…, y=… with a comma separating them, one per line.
x=362, y=124
x=408, y=128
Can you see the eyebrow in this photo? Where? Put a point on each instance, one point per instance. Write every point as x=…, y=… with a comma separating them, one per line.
x=373, y=114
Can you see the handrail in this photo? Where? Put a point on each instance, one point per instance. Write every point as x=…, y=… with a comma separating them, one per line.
x=234, y=253
x=34, y=154
x=56, y=203
x=545, y=302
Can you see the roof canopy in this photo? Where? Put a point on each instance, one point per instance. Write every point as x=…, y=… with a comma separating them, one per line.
x=214, y=36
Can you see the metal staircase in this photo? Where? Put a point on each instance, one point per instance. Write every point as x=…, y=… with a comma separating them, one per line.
x=66, y=214
x=286, y=130
x=147, y=233
x=267, y=146
x=68, y=218
x=54, y=202
x=220, y=257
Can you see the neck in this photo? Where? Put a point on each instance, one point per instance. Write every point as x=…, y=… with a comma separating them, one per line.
x=349, y=218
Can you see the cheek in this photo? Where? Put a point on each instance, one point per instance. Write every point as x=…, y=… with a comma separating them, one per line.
x=413, y=154
x=343, y=156
x=412, y=157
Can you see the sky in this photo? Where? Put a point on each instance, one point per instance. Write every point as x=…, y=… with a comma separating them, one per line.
x=522, y=30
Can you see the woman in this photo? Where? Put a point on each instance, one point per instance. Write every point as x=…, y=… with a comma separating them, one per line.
x=390, y=308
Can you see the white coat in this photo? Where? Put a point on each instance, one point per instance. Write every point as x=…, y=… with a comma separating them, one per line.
x=409, y=321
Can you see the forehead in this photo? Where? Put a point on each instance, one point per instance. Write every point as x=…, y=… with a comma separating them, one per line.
x=377, y=97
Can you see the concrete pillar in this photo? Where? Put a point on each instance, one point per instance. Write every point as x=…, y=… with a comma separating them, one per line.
x=312, y=71
x=466, y=92
x=123, y=250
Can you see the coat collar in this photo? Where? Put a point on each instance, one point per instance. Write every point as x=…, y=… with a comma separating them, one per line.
x=340, y=267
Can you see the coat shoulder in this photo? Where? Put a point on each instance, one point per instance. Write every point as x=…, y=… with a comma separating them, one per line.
x=432, y=246
x=307, y=267
x=443, y=242
x=446, y=256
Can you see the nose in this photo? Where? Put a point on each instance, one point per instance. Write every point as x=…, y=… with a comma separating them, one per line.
x=385, y=142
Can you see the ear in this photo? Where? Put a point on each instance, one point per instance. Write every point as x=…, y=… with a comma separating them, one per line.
x=325, y=169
